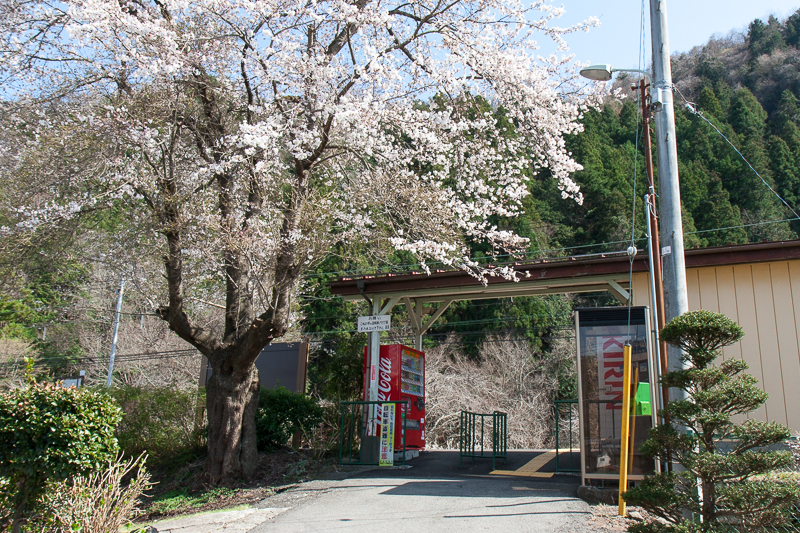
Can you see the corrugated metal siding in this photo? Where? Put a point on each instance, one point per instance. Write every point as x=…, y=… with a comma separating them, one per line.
x=764, y=299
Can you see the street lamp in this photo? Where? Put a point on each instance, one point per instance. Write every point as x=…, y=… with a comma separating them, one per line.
x=604, y=72
x=671, y=242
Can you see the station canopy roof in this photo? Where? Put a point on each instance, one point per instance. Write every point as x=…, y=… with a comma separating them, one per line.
x=576, y=274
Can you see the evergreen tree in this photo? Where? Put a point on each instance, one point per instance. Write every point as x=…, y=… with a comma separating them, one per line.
x=747, y=116
x=715, y=211
x=784, y=168
x=788, y=110
x=725, y=486
x=709, y=102
x=765, y=38
x=791, y=29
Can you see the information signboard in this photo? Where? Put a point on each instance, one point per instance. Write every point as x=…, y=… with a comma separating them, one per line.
x=367, y=324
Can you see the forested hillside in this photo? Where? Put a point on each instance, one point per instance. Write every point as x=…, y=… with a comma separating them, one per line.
x=747, y=86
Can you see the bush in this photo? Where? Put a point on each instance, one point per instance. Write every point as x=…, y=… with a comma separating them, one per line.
x=99, y=502
x=48, y=434
x=281, y=413
x=160, y=421
x=325, y=436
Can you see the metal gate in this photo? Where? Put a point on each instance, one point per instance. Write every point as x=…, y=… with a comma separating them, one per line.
x=477, y=440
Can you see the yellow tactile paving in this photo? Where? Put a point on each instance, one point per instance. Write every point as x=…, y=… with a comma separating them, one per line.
x=531, y=468
x=521, y=474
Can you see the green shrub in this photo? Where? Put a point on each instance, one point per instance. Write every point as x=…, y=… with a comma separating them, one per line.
x=48, y=434
x=160, y=421
x=281, y=413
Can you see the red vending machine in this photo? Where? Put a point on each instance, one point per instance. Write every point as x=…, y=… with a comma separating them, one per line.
x=401, y=376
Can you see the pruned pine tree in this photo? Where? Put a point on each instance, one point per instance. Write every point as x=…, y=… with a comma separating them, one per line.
x=241, y=140
x=728, y=478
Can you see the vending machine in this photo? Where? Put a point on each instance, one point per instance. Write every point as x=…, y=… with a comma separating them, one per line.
x=401, y=376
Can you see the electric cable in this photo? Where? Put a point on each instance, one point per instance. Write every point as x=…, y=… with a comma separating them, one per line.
x=641, y=106
x=140, y=357
x=743, y=226
x=396, y=268
x=692, y=108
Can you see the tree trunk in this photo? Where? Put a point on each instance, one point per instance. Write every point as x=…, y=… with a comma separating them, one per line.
x=231, y=403
x=19, y=517
x=709, y=503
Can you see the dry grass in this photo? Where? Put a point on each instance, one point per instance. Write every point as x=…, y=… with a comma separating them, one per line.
x=98, y=502
x=12, y=367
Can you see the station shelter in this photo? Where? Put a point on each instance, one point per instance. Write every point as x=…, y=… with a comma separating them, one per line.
x=756, y=285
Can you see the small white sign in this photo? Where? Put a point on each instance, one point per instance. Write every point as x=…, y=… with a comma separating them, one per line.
x=666, y=250
x=367, y=324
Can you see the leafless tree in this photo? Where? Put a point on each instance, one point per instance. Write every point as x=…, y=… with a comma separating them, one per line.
x=509, y=376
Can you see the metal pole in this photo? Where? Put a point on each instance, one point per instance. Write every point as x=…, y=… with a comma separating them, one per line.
x=657, y=280
x=624, y=433
x=374, y=363
x=674, y=267
x=649, y=202
x=116, y=331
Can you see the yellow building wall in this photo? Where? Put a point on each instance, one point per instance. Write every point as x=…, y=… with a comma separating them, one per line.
x=763, y=298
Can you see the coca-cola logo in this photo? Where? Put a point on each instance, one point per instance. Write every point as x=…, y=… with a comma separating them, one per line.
x=384, y=379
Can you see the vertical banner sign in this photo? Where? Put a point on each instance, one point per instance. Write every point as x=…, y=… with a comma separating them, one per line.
x=387, y=435
x=609, y=386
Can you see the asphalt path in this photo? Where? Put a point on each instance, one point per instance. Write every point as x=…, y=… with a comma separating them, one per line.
x=434, y=493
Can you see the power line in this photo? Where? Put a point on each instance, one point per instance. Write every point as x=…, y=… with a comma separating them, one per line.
x=742, y=226
x=135, y=357
x=476, y=332
x=507, y=317
x=692, y=107
x=416, y=266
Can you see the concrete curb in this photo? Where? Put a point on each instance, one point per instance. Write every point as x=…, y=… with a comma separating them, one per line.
x=239, y=521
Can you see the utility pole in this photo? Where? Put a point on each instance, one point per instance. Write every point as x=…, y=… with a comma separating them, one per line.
x=652, y=232
x=116, y=330
x=674, y=268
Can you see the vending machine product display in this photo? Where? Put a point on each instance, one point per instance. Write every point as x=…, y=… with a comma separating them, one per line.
x=401, y=376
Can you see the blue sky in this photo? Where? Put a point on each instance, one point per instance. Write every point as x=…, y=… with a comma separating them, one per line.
x=691, y=23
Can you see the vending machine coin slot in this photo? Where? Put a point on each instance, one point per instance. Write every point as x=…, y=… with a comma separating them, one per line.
x=412, y=424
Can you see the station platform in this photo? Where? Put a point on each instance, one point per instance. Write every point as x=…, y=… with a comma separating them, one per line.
x=519, y=463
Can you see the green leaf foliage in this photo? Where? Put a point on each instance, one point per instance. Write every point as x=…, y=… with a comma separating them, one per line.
x=281, y=413
x=49, y=433
x=726, y=466
x=701, y=334
x=161, y=422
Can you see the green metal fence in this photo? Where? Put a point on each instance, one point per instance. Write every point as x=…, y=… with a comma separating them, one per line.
x=477, y=440
x=356, y=447
x=567, y=433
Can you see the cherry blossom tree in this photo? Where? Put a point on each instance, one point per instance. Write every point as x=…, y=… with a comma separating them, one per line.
x=241, y=139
